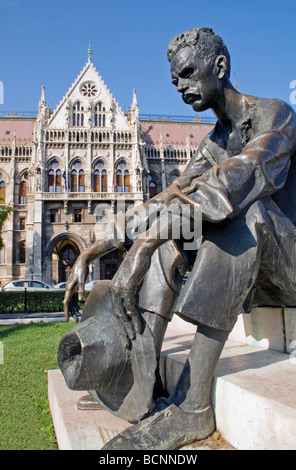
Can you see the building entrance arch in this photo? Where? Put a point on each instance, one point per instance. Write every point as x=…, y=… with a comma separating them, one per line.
x=60, y=256
x=67, y=253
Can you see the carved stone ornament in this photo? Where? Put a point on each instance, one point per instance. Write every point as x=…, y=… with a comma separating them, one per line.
x=89, y=90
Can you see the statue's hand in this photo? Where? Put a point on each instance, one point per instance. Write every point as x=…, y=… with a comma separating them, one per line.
x=75, y=289
x=124, y=303
x=124, y=287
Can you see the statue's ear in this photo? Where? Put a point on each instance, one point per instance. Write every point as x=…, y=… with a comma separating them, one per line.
x=221, y=66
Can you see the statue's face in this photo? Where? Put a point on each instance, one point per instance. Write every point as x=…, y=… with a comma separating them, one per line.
x=196, y=78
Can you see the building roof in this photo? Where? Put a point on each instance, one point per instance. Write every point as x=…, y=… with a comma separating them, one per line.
x=171, y=133
x=174, y=133
x=22, y=127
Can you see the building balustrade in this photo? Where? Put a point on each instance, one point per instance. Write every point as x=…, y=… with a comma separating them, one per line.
x=88, y=196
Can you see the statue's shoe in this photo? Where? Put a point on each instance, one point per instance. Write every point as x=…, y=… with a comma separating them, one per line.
x=168, y=429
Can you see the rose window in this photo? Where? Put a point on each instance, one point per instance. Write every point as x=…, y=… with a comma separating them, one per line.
x=89, y=89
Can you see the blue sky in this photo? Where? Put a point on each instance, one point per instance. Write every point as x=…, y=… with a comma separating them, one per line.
x=45, y=42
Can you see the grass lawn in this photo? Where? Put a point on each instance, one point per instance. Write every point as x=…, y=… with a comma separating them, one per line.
x=28, y=352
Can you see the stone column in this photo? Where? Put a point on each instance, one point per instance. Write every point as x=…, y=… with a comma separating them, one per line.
x=162, y=172
x=9, y=225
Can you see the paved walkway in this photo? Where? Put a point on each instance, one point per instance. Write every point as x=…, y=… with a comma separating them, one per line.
x=23, y=318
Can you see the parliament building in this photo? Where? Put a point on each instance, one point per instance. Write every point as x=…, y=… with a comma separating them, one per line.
x=65, y=170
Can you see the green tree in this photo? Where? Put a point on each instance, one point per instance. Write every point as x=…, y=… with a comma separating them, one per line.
x=4, y=213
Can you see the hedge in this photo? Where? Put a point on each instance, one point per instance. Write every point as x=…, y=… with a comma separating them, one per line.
x=14, y=302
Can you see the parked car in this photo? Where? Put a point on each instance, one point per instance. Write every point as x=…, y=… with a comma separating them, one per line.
x=60, y=285
x=90, y=285
x=29, y=284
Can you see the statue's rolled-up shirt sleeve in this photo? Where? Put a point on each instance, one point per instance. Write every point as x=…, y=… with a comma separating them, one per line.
x=260, y=170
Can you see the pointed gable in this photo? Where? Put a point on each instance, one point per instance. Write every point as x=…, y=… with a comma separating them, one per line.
x=88, y=89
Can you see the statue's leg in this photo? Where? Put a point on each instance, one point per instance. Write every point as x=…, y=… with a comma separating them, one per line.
x=192, y=392
x=225, y=270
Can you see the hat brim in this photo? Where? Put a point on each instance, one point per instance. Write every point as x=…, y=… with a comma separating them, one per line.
x=122, y=379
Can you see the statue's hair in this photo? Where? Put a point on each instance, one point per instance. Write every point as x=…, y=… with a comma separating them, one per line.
x=204, y=40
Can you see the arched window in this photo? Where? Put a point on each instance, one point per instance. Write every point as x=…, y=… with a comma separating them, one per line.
x=100, y=115
x=173, y=176
x=126, y=178
x=100, y=178
x=78, y=115
x=122, y=179
x=2, y=190
x=152, y=186
x=58, y=181
x=54, y=178
x=23, y=189
x=22, y=252
x=77, y=178
x=81, y=181
x=74, y=181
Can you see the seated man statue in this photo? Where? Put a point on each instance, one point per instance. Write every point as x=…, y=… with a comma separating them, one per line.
x=242, y=177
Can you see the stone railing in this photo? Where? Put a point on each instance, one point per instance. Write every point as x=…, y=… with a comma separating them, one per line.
x=88, y=196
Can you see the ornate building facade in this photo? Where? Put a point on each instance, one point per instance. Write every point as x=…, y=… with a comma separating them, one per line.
x=66, y=171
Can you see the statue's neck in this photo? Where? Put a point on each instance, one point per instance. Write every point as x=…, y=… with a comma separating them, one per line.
x=230, y=105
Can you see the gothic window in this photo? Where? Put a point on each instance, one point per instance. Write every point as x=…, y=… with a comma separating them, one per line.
x=54, y=178
x=74, y=181
x=2, y=190
x=23, y=193
x=23, y=189
x=22, y=223
x=78, y=215
x=54, y=216
x=22, y=252
x=100, y=115
x=126, y=179
x=101, y=217
x=78, y=115
x=152, y=186
x=100, y=178
x=77, y=178
x=122, y=179
x=81, y=181
x=173, y=176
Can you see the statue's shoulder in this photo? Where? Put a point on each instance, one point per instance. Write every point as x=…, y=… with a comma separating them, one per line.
x=270, y=113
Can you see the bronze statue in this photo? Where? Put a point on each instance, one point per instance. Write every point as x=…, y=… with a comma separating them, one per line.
x=243, y=179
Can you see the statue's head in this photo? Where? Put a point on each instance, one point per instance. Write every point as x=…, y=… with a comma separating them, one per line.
x=205, y=43
x=200, y=66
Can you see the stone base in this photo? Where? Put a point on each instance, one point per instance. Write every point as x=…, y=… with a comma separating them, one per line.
x=254, y=388
x=78, y=429
x=253, y=397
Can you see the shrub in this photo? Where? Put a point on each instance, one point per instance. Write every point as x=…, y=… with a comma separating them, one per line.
x=33, y=302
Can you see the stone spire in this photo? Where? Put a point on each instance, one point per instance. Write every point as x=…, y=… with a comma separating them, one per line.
x=134, y=102
x=134, y=108
x=42, y=102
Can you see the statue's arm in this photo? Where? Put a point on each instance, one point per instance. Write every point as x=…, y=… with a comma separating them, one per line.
x=259, y=171
x=223, y=191
x=111, y=241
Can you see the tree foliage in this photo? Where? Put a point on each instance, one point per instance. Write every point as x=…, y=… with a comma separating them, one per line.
x=4, y=213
